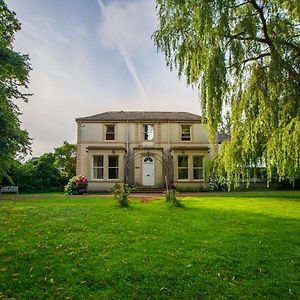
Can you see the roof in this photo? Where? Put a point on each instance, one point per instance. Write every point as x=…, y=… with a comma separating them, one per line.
x=112, y=116
x=223, y=137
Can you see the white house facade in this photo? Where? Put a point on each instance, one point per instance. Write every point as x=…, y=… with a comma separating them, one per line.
x=141, y=148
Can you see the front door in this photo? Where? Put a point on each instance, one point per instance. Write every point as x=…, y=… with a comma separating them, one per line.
x=148, y=171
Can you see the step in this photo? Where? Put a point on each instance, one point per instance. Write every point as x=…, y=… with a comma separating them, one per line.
x=146, y=190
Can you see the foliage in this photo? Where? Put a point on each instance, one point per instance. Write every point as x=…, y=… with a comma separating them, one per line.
x=171, y=196
x=65, y=159
x=14, y=75
x=49, y=172
x=37, y=175
x=244, y=56
x=217, y=184
x=121, y=194
x=231, y=246
x=77, y=185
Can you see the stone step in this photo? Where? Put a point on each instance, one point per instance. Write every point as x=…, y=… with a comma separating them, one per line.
x=146, y=190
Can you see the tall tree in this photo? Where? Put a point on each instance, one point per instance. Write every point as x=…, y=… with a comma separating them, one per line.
x=14, y=74
x=65, y=159
x=244, y=54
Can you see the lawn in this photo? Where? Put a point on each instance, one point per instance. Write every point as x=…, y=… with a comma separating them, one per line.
x=236, y=246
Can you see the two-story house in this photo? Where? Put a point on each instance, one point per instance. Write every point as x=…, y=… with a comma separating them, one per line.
x=141, y=148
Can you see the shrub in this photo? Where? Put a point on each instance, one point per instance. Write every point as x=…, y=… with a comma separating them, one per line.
x=77, y=185
x=171, y=196
x=121, y=194
x=217, y=184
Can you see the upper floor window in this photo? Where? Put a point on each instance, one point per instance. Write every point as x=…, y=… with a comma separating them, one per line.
x=197, y=167
x=98, y=167
x=148, y=132
x=110, y=132
x=185, y=132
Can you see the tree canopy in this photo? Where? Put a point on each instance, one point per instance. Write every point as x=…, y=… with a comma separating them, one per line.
x=14, y=75
x=243, y=55
x=49, y=172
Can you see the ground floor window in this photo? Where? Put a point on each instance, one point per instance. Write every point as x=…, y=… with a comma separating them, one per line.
x=98, y=167
x=197, y=167
x=190, y=167
x=113, y=167
x=183, y=167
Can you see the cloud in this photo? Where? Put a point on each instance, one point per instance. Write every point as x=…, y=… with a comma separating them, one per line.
x=133, y=22
x=111, y=30
x=96, y=64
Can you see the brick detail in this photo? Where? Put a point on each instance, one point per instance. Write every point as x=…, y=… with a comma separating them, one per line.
x=158, y=140
x=137, y=133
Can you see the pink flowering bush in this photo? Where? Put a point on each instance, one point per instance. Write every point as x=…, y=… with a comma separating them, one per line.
x=77, y=185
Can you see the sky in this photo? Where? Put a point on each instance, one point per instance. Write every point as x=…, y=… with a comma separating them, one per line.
x=88, y=57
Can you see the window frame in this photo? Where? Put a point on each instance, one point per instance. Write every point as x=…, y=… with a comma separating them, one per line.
x=117, y=167
x=110, y=133
x=198, y=168
x=182, y=168
x=182, y=139
x=144, y=132
x=101, y=167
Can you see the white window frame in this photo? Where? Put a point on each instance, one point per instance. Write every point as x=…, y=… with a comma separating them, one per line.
x=93, y=178
x=144, y=132
x=181, y=132
x=198, y=168
x=107, y=132
x=118, y=167
x=183, y=168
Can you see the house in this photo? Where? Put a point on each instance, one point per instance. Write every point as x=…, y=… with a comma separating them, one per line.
x=141, y=148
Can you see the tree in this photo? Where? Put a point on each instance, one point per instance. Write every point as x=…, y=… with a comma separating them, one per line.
x=65, y=159
x=37, y=175
x=14, y=75
x=245, y=55
x=49, y=172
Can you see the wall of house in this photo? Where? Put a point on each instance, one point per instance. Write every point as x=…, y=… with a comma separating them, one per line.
x=131, y=136
x=164, y=133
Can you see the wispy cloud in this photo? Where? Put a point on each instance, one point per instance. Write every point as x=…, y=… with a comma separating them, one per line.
x=115, y=38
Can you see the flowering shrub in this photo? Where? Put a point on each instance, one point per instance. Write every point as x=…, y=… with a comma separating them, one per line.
x=215, y=184
x=77, y=185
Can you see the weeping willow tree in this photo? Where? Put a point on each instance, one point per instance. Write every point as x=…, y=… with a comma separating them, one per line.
x=245, y=56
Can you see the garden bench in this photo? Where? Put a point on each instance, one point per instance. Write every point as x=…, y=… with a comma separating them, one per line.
x=9, y=189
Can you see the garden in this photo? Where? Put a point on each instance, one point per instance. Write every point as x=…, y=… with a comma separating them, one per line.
x=217, y=246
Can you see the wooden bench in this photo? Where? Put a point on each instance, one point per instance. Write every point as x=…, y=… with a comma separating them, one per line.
x=9, y=189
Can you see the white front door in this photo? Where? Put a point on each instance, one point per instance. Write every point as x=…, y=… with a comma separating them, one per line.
x=148, y=171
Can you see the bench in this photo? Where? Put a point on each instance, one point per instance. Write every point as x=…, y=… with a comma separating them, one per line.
x=9, y=189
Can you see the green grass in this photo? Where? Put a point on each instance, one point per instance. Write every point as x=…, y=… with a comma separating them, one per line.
x=232, y=246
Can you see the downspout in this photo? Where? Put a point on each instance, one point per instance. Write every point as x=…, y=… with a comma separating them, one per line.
x=127, y=152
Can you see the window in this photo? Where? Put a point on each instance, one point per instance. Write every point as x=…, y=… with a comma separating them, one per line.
x=148, y=132
x=185, y=132
x=183, y=167
x=148, y=159
x=197, y=167
x=113, y=167
x=98, y=167
x=110, y=132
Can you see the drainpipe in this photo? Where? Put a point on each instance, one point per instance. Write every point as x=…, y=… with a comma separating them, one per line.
x=127, y=152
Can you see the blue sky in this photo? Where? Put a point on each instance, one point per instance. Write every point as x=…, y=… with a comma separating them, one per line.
x=91, y=56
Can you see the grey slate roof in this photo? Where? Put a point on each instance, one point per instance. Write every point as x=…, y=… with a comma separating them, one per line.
x=141, y=116
x=223, y=137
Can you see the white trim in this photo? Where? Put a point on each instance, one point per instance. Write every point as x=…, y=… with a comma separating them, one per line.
x=105, y=132
x=180, y=138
